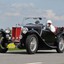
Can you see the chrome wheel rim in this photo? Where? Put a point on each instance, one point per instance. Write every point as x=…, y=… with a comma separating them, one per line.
x=61, y=44
x=33, y=44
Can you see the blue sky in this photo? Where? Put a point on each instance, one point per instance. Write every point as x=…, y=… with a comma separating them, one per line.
x=13, y=11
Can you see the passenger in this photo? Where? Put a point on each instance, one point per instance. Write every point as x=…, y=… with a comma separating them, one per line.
x=50, y=26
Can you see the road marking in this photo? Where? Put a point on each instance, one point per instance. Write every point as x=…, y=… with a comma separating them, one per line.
x=35, y=63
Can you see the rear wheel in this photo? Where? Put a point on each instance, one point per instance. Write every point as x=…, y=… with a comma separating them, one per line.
x=32, y=44
x=60, y=45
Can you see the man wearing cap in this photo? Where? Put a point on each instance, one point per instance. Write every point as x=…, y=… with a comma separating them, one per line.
x=50, y=26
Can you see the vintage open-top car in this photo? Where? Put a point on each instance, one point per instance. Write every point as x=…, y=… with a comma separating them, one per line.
x=33, y=37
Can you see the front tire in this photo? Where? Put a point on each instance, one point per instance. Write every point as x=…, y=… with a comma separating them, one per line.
x=3, y=46
x=3, y=50
x=60, y=45
x=31, y=44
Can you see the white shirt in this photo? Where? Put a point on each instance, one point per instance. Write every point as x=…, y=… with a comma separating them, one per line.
x=52, y=28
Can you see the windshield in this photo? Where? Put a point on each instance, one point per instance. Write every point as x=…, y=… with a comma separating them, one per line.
x=31, y=21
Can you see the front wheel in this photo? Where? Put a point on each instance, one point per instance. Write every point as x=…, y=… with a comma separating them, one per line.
x=3, y=50
x=31, y=44
x=60, y=45
x=3, y=46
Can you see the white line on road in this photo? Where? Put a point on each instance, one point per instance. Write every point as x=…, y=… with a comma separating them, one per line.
x=35, y=63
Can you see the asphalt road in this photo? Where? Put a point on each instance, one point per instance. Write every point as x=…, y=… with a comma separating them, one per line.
x=41, y=57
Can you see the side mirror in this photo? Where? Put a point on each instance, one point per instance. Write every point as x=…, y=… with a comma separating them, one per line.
x=40, y=18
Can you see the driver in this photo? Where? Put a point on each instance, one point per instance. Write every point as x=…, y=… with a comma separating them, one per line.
x=50, y=26
x=37, y=22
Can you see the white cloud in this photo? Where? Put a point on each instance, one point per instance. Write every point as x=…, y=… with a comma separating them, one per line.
x=12, y=14
x=30, y=10
x=49, y=14
x=23, y=5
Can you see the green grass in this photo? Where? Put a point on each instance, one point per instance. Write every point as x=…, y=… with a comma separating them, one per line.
x=10, y=49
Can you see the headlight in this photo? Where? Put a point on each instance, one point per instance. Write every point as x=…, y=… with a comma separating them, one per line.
x=25, y=30
x=7, y=31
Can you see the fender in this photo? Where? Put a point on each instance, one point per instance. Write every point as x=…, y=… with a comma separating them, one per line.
x=63, y=33
x=33, y=32
x=43, y=41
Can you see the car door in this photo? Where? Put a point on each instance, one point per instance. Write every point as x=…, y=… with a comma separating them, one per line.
x=48, y=36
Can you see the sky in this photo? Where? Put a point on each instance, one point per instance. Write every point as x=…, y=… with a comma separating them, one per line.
x=12, y=12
